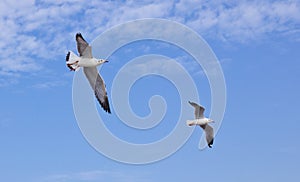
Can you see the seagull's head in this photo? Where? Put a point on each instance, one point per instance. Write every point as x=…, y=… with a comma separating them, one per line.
x=101, y=61
x=211, y=121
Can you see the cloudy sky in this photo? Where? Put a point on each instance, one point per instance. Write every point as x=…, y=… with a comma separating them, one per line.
x=256, y=42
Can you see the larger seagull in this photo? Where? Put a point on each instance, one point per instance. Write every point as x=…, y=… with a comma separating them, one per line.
x=203, y=123
x=89, y=64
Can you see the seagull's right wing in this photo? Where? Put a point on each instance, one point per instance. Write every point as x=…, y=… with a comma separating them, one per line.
x=209, y=132
x=199, y=110
x=83, y=47
x=98, y=86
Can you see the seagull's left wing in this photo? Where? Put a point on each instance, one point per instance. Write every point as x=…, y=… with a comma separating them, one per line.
x=98, y=86
x=199, y=110
x=83, y=47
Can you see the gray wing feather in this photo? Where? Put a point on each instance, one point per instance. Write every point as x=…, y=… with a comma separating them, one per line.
x=98, y=86
x=83, y=47
x=199, y=110
x=209, y=132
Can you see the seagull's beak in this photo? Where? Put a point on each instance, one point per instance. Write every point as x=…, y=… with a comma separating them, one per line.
x=105, y=61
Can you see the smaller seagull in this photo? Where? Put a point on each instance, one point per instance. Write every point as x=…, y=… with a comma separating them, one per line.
x=89, y=64
x=202, y=122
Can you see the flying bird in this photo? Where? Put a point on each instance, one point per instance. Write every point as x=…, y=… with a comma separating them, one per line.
x=202, y=122
x=89, y=64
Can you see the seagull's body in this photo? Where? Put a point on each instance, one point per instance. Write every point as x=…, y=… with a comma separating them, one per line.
x=75, y=62
x=202, y=122
x=89, y=64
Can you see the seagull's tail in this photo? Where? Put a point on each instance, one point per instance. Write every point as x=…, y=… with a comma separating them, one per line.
x=71, y=59
x=190, y=122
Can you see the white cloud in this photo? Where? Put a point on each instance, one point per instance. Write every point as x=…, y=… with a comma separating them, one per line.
x=245, y=20
x=35, y=31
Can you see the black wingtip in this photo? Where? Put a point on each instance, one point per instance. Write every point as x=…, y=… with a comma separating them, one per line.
x=78, y=35
x=210, y=143
x=105, y=104
x=192, y=103
x=67, y=59
x=68, y=56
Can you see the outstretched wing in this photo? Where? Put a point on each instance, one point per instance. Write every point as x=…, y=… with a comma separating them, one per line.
x=199, y=110
x=83, y=47
x=98, y=86
x=209, y=132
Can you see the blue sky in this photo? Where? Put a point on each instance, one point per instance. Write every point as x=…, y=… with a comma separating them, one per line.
x=257, y=44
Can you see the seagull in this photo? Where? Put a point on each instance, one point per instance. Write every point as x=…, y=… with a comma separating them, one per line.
x=89, y=64
x=202, y=122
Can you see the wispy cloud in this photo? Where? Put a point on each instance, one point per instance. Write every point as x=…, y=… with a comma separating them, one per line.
x=153, y=64
x=98, y=175
x=241, y=20
x=48, y=84
x=35, y=31
x=190, y=64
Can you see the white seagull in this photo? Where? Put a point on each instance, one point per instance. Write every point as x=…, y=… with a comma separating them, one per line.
x=202, y=122
x=89, y=64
